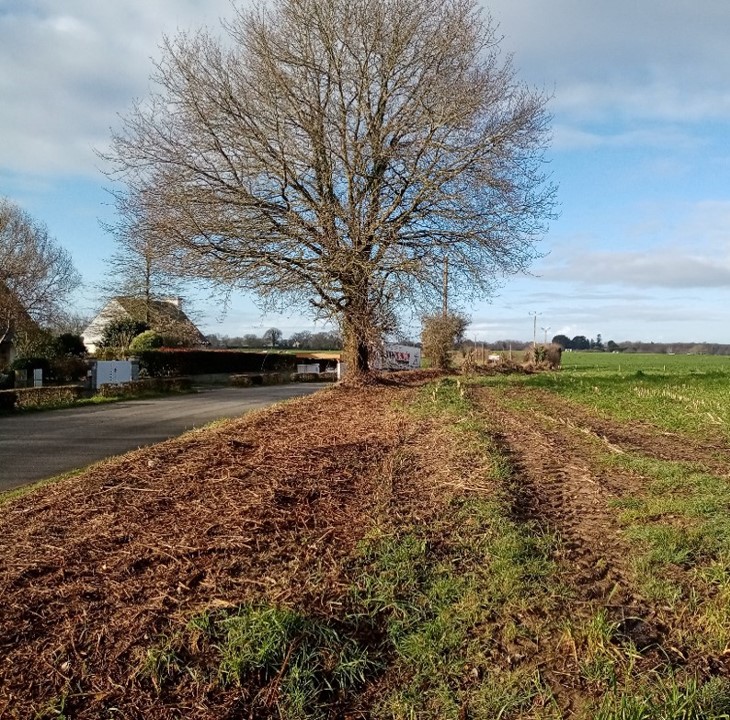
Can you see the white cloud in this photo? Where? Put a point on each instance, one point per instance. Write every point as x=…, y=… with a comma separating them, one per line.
x=568, y=137
x=642, y=270
x=655, y=59
x=65, y=76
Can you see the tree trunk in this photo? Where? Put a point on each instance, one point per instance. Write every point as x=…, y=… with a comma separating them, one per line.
x=356, y=350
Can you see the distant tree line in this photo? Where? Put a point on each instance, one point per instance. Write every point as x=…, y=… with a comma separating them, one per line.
x=274, y=338
x=580, y=342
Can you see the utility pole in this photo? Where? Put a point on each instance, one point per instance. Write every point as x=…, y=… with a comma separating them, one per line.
x=545, y=330
x=534, y=314
x=446, y=287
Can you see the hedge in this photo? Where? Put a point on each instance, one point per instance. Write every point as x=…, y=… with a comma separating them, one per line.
x=168, y=363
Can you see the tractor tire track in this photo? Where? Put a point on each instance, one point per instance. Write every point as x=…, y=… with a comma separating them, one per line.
x=556, y=486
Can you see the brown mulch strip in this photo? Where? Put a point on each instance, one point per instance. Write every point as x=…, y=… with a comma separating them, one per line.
x=94, y=569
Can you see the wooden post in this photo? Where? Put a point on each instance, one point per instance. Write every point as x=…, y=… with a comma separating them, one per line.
x=446, y=287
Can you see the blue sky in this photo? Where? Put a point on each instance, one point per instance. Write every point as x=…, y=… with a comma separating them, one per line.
x=641, y=153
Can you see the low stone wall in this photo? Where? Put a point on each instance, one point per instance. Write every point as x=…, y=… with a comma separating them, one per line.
x=151, y=385
x=23, y=398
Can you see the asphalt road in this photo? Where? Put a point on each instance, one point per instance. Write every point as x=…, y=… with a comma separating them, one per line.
x=35, y=446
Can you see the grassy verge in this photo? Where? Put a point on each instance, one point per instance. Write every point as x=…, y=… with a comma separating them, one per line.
x=435, y=617
x=7, y=496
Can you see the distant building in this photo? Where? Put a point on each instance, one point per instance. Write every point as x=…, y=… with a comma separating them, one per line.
x=13, y=317
x=165, y=317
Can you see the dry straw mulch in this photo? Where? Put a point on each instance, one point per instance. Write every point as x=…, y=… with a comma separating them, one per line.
x=95, y=569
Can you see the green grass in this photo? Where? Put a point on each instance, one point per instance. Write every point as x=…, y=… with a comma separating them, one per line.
x=278, y=657
x=627, y=363
x=449, y=593
x=680, y=393
x=7, y=496
x=680, y=526
x=446, y=597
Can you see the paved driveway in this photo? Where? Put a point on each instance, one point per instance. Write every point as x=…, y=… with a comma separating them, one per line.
x=34, y=446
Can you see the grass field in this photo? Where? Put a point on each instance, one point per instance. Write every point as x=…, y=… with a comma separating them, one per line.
x=689, y=393
x=646, y=362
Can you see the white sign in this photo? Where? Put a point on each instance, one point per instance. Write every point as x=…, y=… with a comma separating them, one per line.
x=38, y=377
x=400, y=357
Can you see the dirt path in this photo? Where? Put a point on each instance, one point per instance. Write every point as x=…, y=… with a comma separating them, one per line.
x=94, y=569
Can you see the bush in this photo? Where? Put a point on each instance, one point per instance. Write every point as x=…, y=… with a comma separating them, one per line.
x=69, y=368
x=544, y=356
x=120, y=333
x=7, y=380
x=70, y=344
x=28, y=364
x=148, y=340
x=439, y=337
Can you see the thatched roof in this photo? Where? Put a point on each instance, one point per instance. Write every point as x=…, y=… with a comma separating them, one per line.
x=164, y=316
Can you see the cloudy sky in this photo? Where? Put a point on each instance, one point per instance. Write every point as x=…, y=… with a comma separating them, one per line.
x=641, y=153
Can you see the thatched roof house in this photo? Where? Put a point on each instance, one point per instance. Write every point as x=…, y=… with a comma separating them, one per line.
x=164, y=316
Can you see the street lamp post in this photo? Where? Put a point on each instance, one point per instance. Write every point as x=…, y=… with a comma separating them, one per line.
x=545, y=330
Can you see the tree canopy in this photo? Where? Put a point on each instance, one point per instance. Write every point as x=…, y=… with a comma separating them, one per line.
x=37, y=275
x=336, y=153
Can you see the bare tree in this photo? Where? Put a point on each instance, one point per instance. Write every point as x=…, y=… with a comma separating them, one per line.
x=272, y=337
x=337, y=152
x=139, y=267
x=36, y=274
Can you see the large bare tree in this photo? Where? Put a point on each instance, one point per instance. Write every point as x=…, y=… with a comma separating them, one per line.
x=336, y=152
x=137, y=270
x=36, y=274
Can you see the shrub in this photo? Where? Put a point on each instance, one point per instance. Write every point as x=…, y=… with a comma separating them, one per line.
x=148, y=340
x=33, y=363
x=7, y=380
x=69, y=368
x=440, y=335
x=120, y=333
x=70, y=344
x=544, y=356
